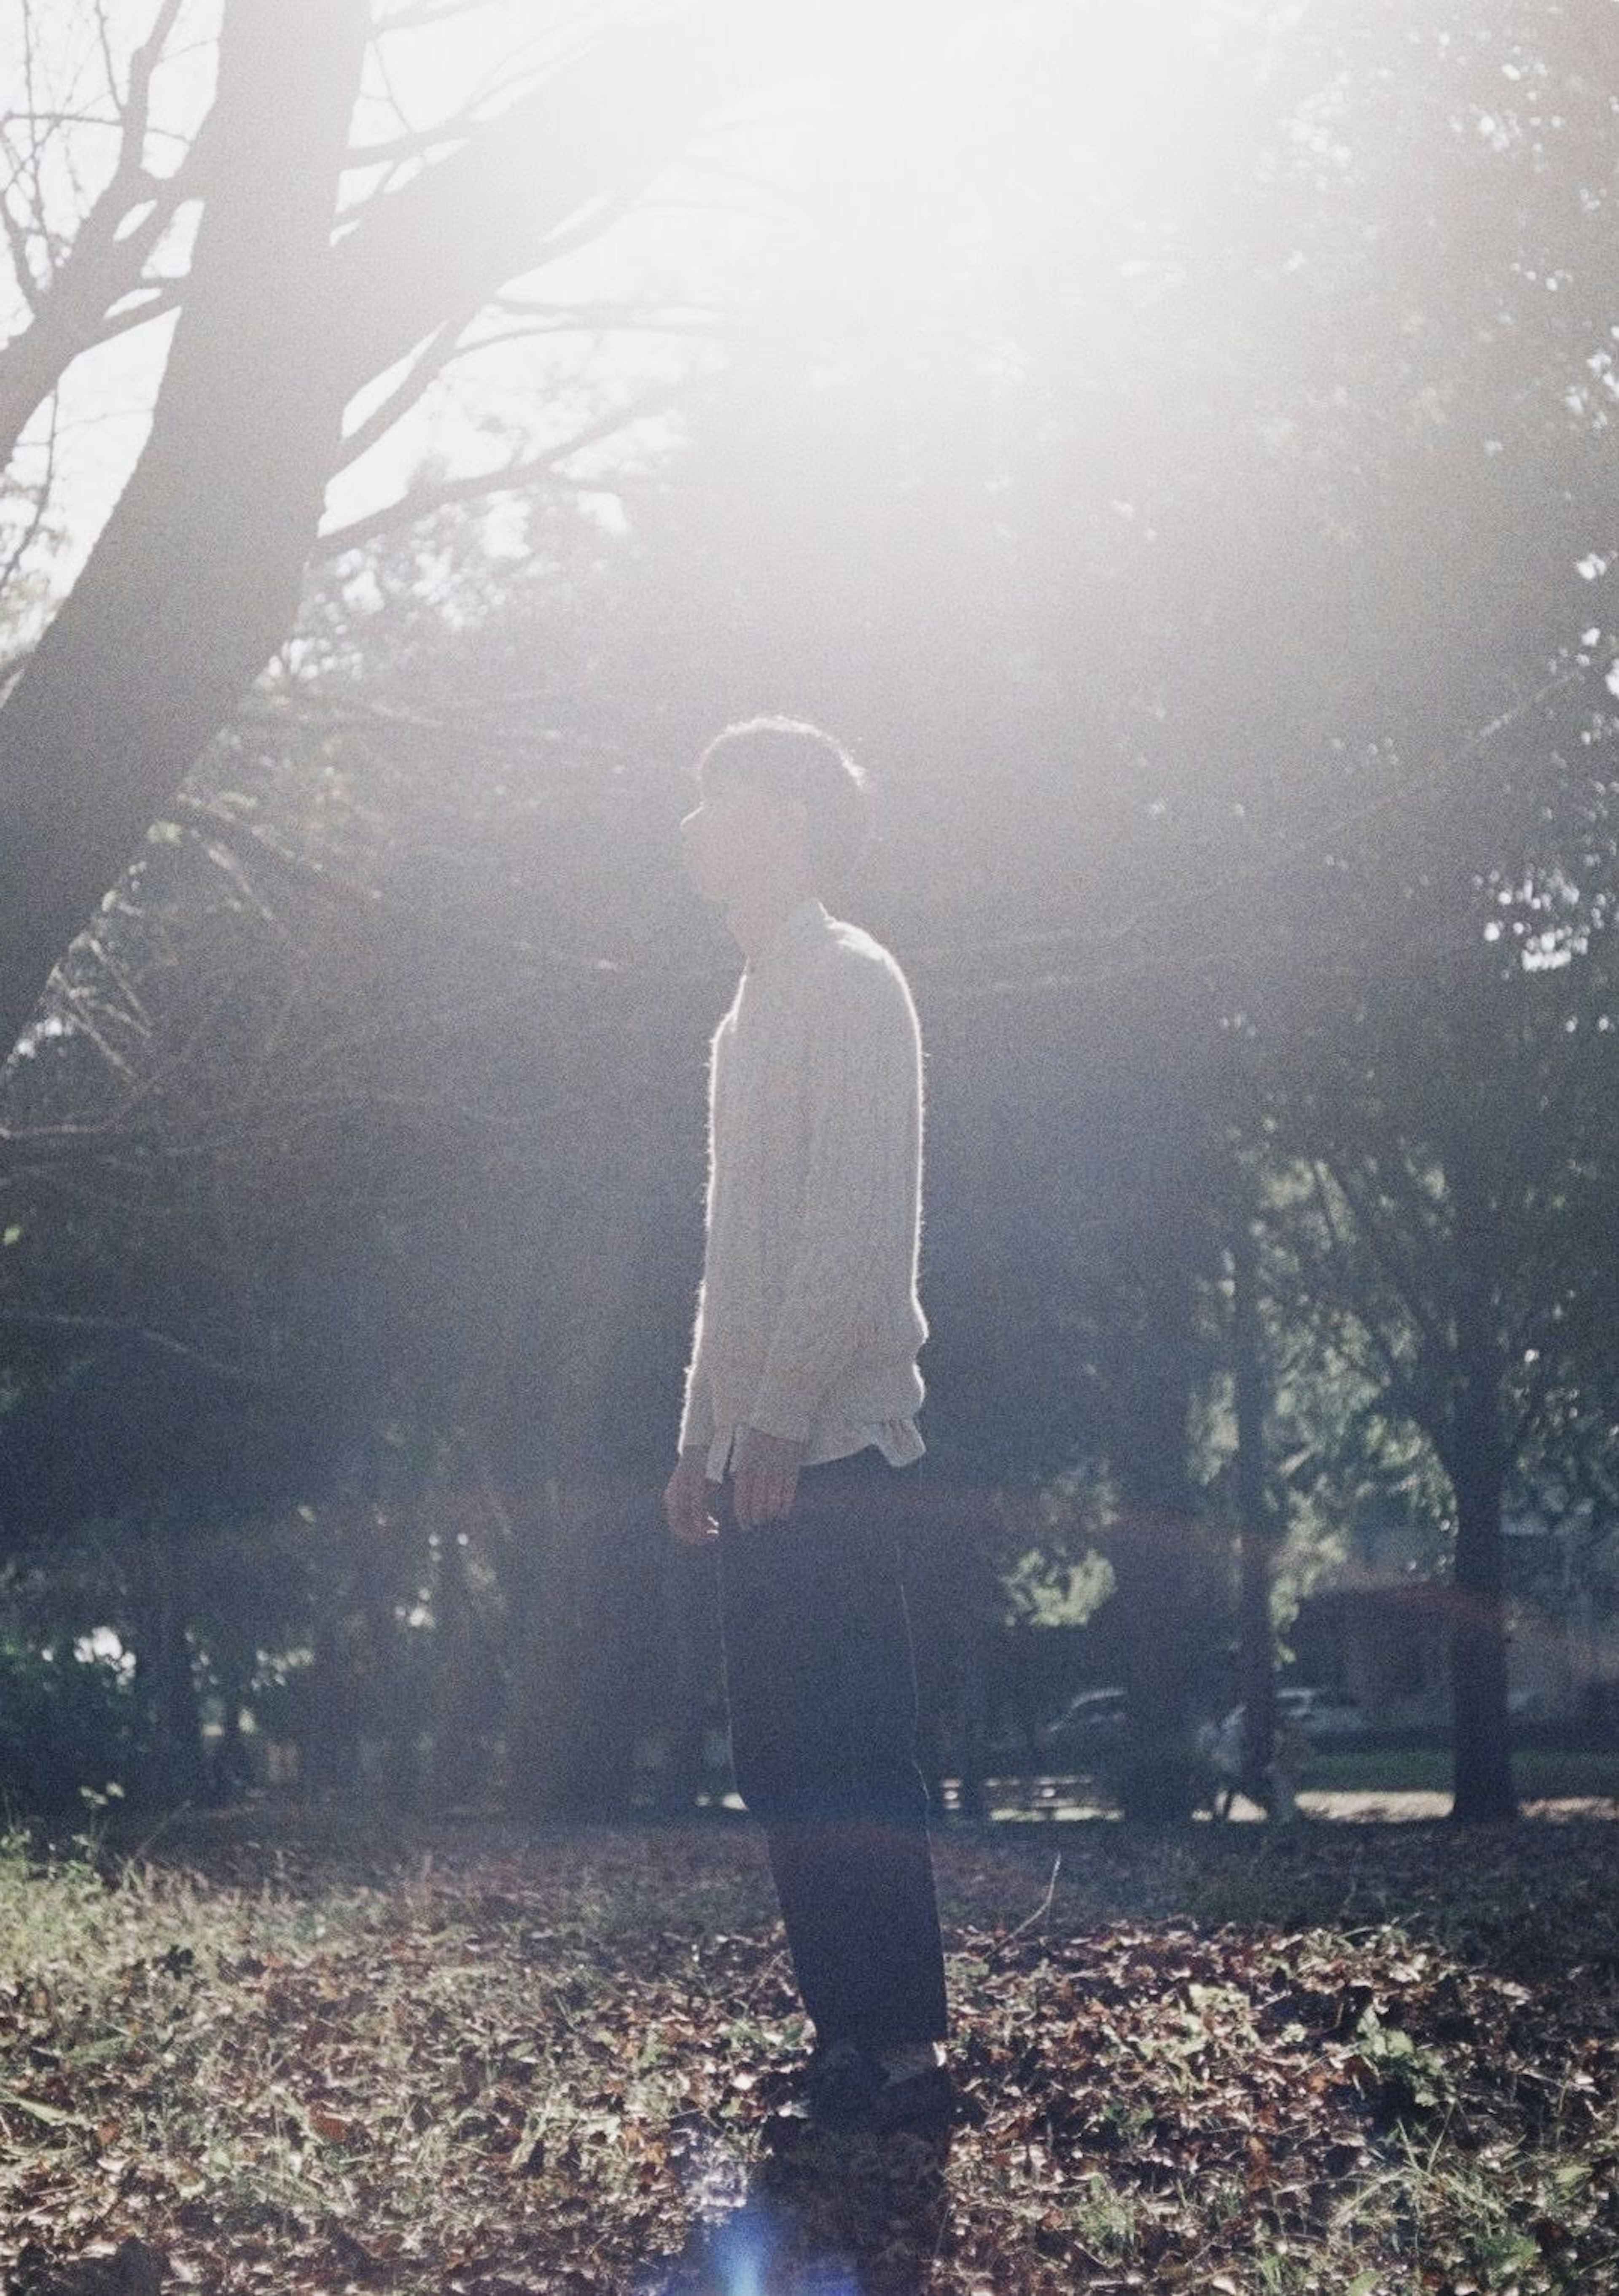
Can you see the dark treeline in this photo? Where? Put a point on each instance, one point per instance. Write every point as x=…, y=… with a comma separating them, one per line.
x=1195, y=513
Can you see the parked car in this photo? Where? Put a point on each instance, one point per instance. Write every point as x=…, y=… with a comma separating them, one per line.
x=1307, y=1712
x=1318, y=1713
x=1088, y=1726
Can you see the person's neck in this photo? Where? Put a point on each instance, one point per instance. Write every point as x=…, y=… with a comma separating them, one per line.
x=757, y=915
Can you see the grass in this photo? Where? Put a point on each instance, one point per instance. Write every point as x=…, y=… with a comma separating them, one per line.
x=477, y=2062
x=1539, y=1772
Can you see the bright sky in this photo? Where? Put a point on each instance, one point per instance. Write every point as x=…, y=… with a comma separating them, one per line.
x=700, y=225
x=414, y=78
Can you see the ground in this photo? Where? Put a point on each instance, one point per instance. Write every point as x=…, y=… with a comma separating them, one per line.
x=296, y=2054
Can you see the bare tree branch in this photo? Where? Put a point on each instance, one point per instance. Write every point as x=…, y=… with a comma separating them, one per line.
x=429, y=363
x=446, y=344
x=166, y=295
x=104, y=262
x=42, y=501
x=550, y=173
x=47, y=1317
x=1404, y=1392
x=422, y=502
x=1386, y=1250
x=417, y=144
x=16, y=240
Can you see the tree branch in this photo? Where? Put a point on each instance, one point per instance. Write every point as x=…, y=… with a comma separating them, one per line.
x=1385, y=1249
x=100, y=268
x=422, y=501
x=1404, y=1390
x=549, y=174
x=428, y=364
x=42, y=499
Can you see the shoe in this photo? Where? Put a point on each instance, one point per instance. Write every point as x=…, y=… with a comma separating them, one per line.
x=849, y=2089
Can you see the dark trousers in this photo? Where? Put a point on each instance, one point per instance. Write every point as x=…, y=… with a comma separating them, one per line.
x=821, y=1683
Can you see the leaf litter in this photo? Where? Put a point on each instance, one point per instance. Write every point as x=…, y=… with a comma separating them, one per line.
x=478, y=2062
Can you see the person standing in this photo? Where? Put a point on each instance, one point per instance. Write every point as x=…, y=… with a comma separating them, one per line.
x=800, y=1415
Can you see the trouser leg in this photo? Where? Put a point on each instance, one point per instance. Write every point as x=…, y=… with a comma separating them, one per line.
x=820, y=1683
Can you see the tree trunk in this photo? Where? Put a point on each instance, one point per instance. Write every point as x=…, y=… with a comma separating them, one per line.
x=572, y=1755
x=1256, y=1672
x=175, y=1770
x=458, y=1712
x=1480, y=1744
x=972, y=1712
x=195, y=578
x=230, y=1771
x=545, y=1701
x=1156, y=1551
x=384, y=1531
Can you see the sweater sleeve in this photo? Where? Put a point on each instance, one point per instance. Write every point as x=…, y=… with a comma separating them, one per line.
x=857, y=1232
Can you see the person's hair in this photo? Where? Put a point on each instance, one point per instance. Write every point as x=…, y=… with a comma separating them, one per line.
x=792, y=758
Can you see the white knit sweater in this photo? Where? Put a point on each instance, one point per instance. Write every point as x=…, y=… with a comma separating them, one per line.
x=808, y=1323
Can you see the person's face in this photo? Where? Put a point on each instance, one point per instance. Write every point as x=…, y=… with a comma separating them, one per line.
x=738, y=835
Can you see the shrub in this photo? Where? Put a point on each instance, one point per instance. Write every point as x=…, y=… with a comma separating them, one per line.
x=66, y=1723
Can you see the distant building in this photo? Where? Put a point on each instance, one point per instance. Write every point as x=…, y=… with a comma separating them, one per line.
x=1378, y=1627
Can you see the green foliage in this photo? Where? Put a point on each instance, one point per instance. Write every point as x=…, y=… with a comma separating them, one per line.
x=67, y=1729
x=1410, y=2075
x=1044, y=1591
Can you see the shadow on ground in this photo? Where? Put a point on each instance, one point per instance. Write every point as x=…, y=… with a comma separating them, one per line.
x=842, y=2216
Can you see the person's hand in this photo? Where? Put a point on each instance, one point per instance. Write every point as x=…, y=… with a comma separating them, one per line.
x=763, y=1476
x=686, y=1500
